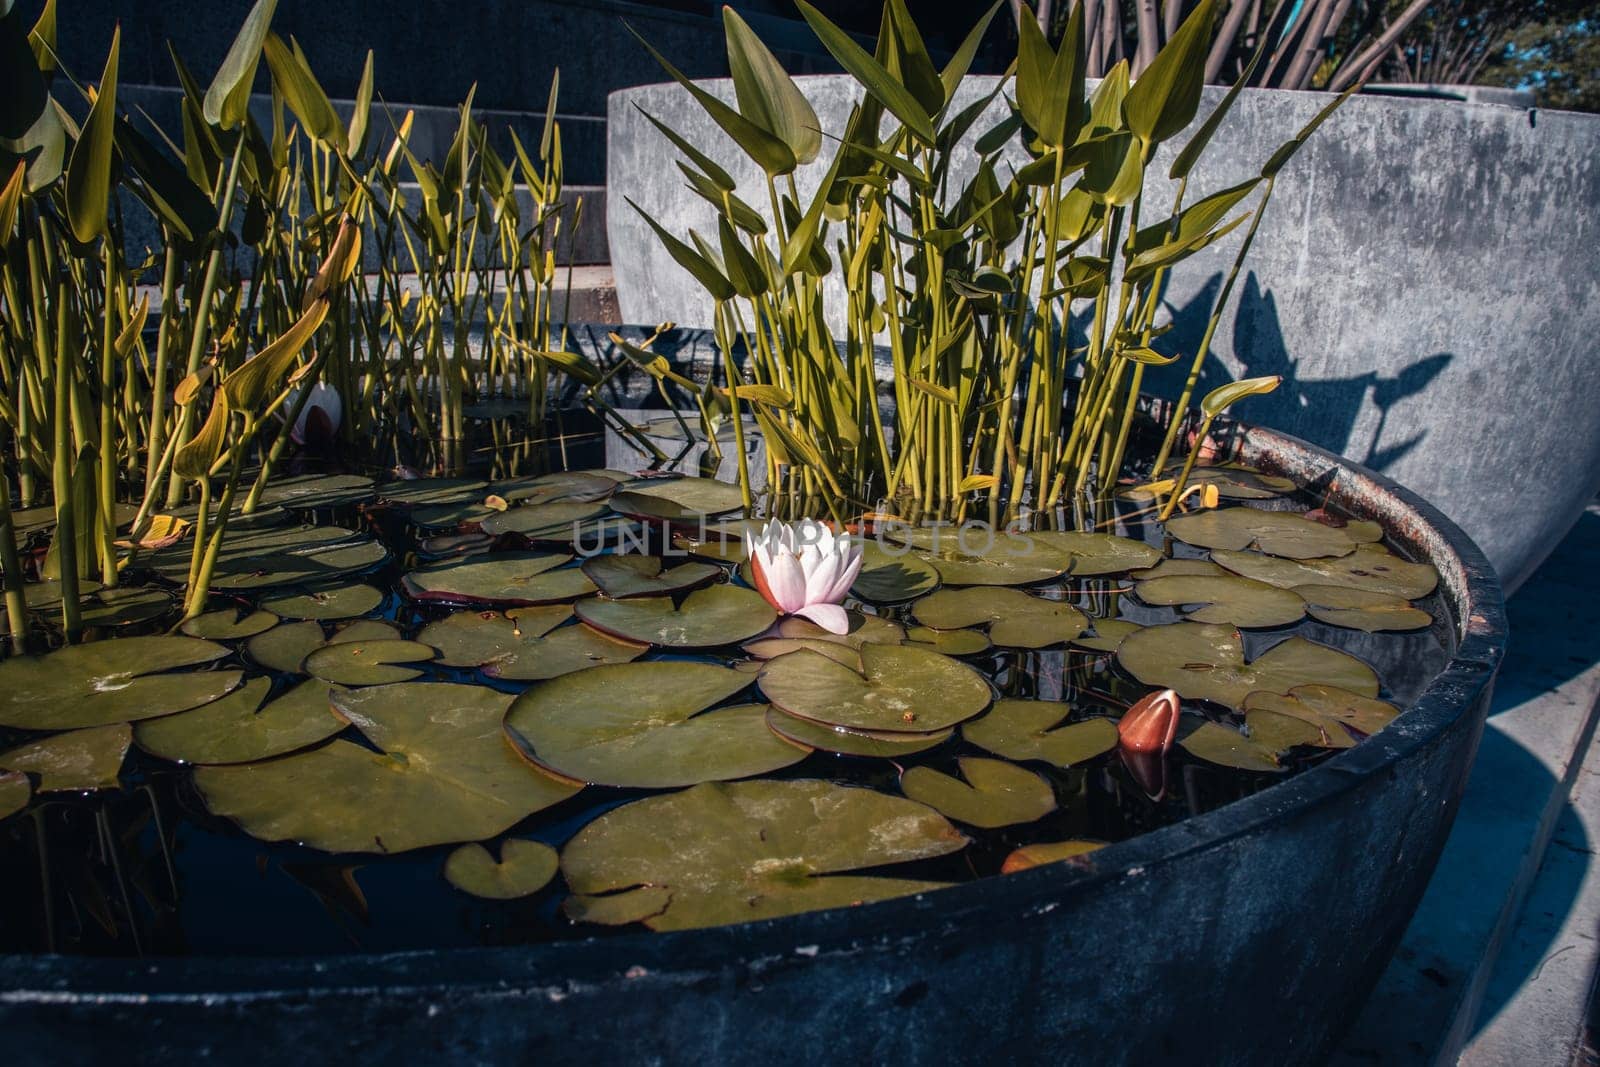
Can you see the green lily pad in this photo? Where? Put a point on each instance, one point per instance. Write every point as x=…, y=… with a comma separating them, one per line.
x=741, y=851
x=443, y=773
x=525, y=644
x=1094, y=554
x=950, y=642
x=15, y=792
x=428, y=491
x=621, y=577
x=125, y=606
x=542, y=522
x=716, y=615
x=1361, y=609
x=576, y=486
x=462, y=515
x=853, y=742
x=525, y=867
x=723, y=541
x=1018, y=619
x=240, y=728
x=644, y=726
x=793, y=634
x=1031, y=730
x=338, y=600
x=285, y=648
x=79, y=761
x=1235, y=481
x=309, y=491
x=503, y=578
x=1276, y=533
x=274, y=556
x=1371, y=567
x=447, y=546
x=1178, y=568
x=1261, y=746
x=110, y=681
x=229, y=624
x=682, y=501
x=1105, y=634
x=999, y=793
x=1226, y=599
x=1206, y=662
x=366, y=662
x=1327, y=707
x=897, y=689
x=1044, y=852
x=890, y=578
x=772, y=647
x=986, y=558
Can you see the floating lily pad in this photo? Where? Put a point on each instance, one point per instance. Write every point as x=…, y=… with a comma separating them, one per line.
x=366, y=662
x=229, y=624
x=446, y=546
x=503, y=578
x=621, y=577
x=1361, y=609
x=681, y=501
x=277, y=556
x=724, y=541
x=995, y=793
x=1018, y=619
x=950, y=642
x=889, y=577
x=853, y=742
x=428, y=491
x=1235, y=481
x=110, y=681
x=542, y=522
x=864, y=630
x=239, y=728
x=740, y=851
x=462, y=515
x=1227, y=599
x=285, y=648
x=1032, y=730
x=1277, y=533
x=525, y=644
x=1105, y=634
x=525, y=867
x=986, y=557
x=15, y=792
x=897, y=689
x=443, y=773
x=338, y=600
x=1370, y=567
x=557, y=486
x=310, y=491
x=1206, y=662
x=644, y=726
x=772, y=647
x=1047, y=852
x=79, y=761
x=716, y=615
x=1095, y=554
x=1261, y=747
x=1327, y=707
x=125, y=606
x=1178, y=568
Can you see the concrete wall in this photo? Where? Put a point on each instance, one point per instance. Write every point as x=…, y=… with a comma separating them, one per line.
x=1426, y=281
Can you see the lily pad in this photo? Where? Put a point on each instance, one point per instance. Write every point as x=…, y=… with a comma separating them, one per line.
x=1178, y=568
x=15, y=792
x=239, y=728
x=897, y=689
x=1327, y=707
x=542, y=522
x=724, y=540
x=503, y=578
x=310, y=491
x=125, y=606
x=1094, y=554
x=79, y=761
x=999, y=793
x=950, y=642
x=229, y=624
x=1236, y=482
x=853, y=742
x=366, y=662
x=525, y=867
x=525, y=644
x=1038, y=855
x=986, y=557
x=716, y=615
x=447, y=546
x=1019, y=620
x=1226, y=599
x=621, y=577
x=425, y=491
x=275, y=556
x=285, y=648
x=109, y=682
x=681, y=501
x=1371, y=567
x=1361, y=609
x=1203, y=661
x=463, y=515
x=557, y=486
x=890, y=578
x=1105, y=634
x=1261, y=749
x=338, y=600
x=1276, y=533
x=644, y=726
x=443, y=773
x=741, y=851
x=1031, y=730
x=793, y=634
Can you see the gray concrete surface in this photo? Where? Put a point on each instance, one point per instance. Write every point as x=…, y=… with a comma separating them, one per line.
x=1483, y=931
x=1425, y=281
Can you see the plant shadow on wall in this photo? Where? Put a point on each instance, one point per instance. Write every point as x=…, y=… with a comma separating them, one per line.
x=1325, y=411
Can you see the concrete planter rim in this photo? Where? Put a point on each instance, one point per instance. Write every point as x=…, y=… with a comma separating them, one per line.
x=557, y=969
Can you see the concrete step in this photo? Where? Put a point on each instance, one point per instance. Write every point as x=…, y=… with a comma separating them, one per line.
x=1429, y=1004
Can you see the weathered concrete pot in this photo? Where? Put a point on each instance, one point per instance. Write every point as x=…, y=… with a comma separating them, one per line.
x=1427, y=287
x=1250, y=934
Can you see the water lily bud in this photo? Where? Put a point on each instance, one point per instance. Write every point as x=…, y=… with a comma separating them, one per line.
x=1151, y=724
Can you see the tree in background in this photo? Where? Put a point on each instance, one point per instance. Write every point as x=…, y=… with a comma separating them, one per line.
x=1558, y=56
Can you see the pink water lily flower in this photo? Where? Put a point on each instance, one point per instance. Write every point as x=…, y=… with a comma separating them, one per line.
x=806, y=570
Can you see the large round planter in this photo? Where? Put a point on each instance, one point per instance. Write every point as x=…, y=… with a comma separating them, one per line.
x=1250, y=934
x=1425, y=282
